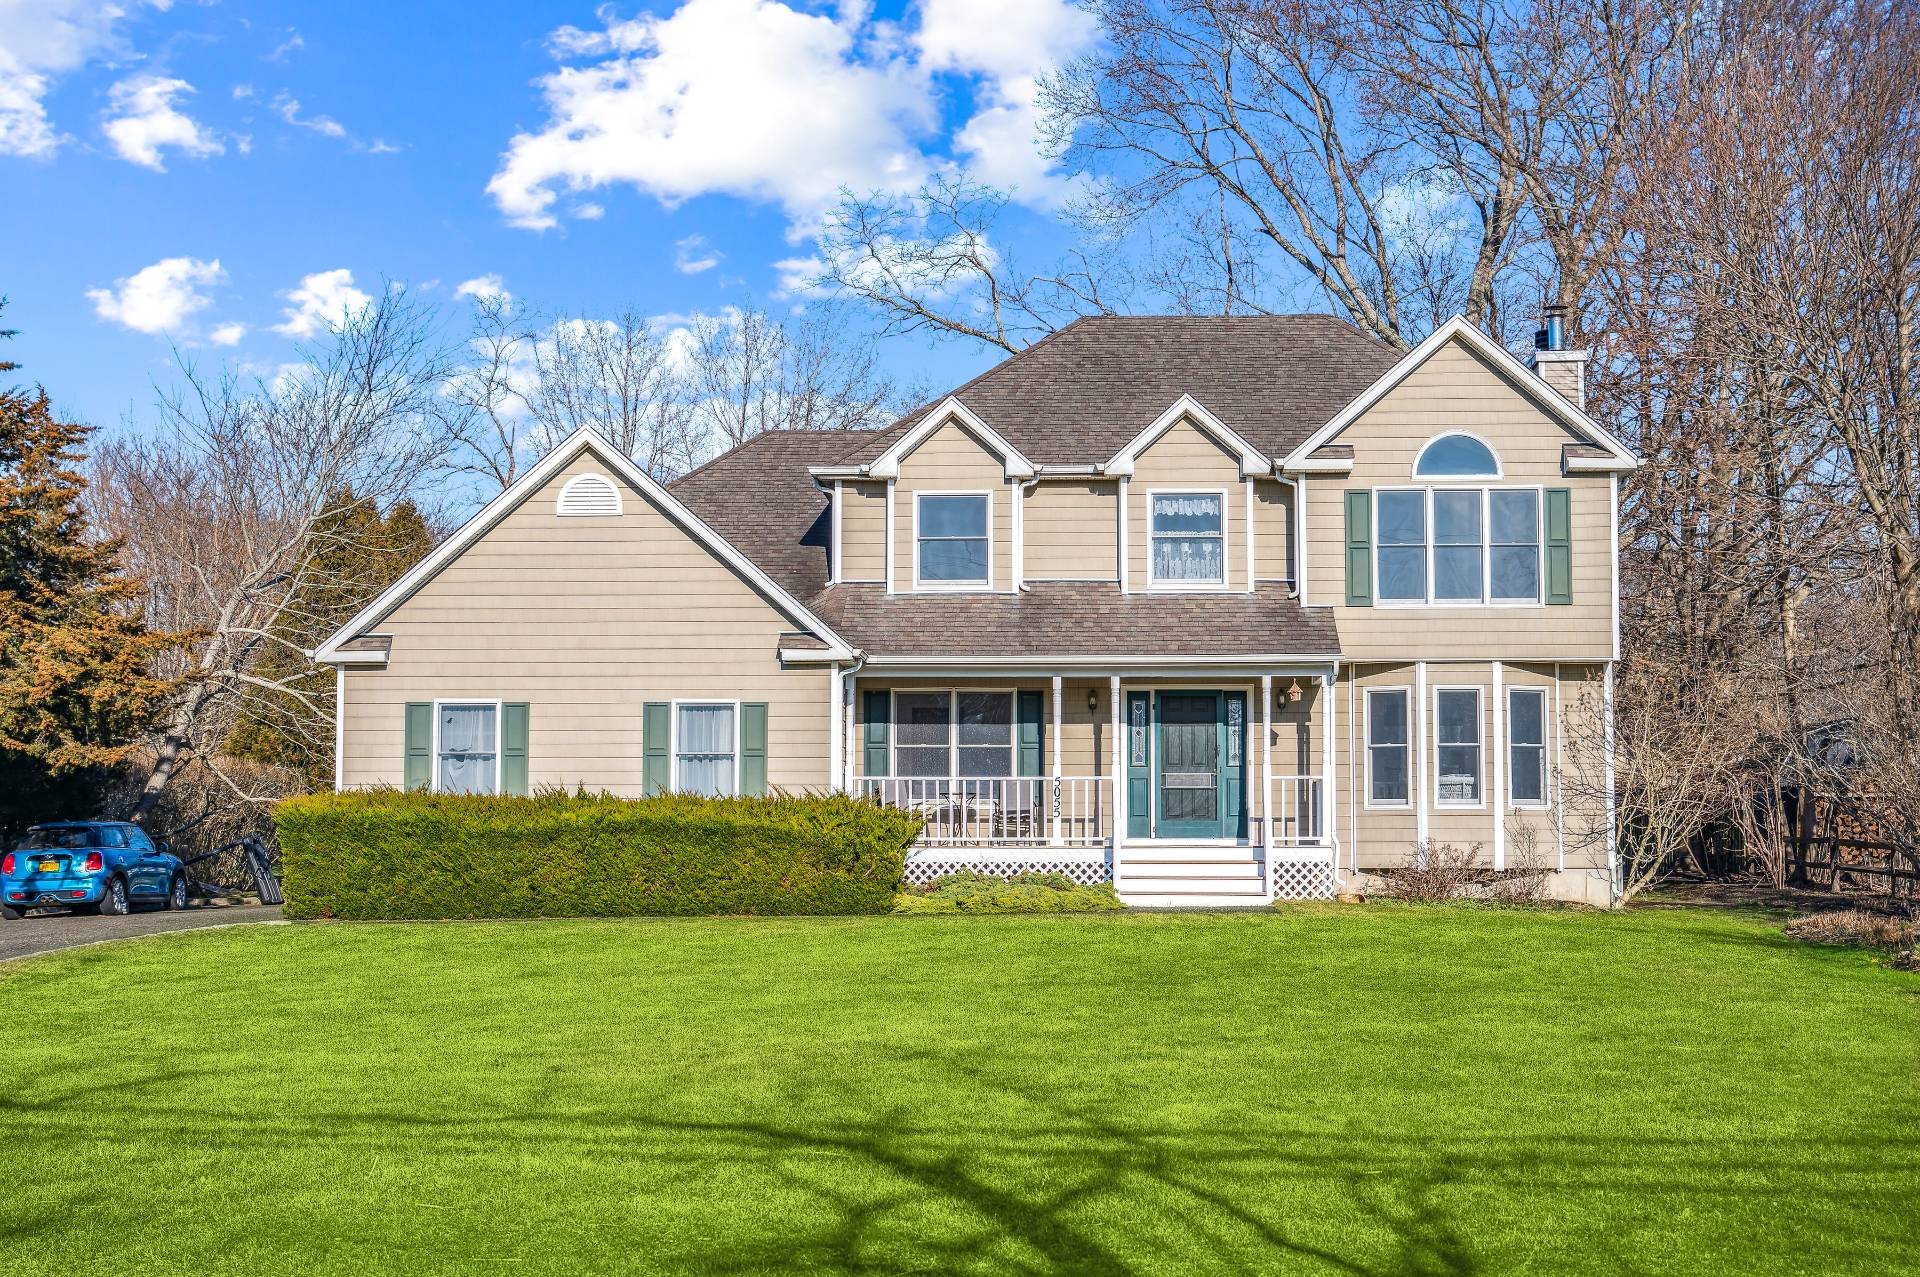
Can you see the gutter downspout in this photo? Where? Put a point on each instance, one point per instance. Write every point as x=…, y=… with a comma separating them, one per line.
x=1020, y=490
x=1295, y=569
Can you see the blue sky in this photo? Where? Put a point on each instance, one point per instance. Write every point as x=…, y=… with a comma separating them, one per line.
x=226, y=175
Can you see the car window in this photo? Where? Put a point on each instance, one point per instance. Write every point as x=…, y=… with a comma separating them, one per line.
x=112, y=837
x=138, y=840
x=45, y=839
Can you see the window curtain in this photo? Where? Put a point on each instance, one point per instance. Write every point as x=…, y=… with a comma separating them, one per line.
x=1186, y=539
x=467, y=758
x=706, y=750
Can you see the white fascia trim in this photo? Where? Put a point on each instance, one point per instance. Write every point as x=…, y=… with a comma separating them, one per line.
x=1599, y=465
x=1312, y=661
x=1458, y=329
x=582, y=440
x=349, y=658
x=887, y=464
x=1252, y=460
x=1324, y=465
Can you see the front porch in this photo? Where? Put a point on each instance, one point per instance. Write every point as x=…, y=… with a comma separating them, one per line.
x=1182, y=787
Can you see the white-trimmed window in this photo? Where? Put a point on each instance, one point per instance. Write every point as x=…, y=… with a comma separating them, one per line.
x=1389, y=746
x=954, y=734
x=588, y=494
x=1527, y=745
x=952, y=547
x=1457, y=747
x=1456, y=456
x=1452, y=546
x=706, y=747
x=1188, y=544
x=466, y=747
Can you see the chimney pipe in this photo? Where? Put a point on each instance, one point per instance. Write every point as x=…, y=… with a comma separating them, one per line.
x=1565, y=370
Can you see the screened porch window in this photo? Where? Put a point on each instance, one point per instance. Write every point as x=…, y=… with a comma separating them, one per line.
x=705, y=758
x=467, y=758
x=927, y=744
x=1457, y=740
x=1189, y=541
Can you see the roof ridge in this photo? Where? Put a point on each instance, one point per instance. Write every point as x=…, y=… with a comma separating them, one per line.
x=751, y=440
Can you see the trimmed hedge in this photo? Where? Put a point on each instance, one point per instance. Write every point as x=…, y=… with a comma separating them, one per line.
x=387, y=854
x=970, y=891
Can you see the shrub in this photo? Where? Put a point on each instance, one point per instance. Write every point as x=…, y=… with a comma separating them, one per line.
x=1860, y=929
x=385, y=854
x=1442, y=871
x=970, y=891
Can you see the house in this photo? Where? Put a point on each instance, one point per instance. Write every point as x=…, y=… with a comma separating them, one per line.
x=1225, y=609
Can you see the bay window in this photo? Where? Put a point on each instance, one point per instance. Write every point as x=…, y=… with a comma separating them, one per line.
x=1189, y=539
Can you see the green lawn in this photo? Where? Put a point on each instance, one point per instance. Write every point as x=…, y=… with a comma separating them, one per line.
x=1326, y=1090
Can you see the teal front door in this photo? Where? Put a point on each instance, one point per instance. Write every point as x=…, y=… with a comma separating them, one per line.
x=1198, y=765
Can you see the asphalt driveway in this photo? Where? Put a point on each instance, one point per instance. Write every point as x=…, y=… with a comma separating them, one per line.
x=47, y=932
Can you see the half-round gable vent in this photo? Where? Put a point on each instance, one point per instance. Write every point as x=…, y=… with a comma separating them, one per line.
x=589, y=494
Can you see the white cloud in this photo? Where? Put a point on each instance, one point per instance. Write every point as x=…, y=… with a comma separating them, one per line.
x=743, y=97
x=322, y=300
x=484, y=287
x=160, y=298
x=691, y=255
x=143, y=121
x=227, y=334
x=287, y=107
x=41, y=40
x=292, y=44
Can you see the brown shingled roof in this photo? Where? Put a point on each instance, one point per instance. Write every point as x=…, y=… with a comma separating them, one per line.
x=1079, y=396
x=1077, y=618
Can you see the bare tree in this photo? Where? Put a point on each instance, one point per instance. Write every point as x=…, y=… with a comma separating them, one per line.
x=619, y=377
x=494, y=426
x=750, y=372
x=238, y=509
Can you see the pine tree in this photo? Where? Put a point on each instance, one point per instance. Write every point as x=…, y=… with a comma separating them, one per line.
x=77, y=686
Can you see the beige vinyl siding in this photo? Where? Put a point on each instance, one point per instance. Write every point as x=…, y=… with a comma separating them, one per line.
x=952, y=460
x=1070, y=531
x=1272, y=530
x=586, y=619
x=1186, y=459
x=1456, y=390
x=863, y=532
x=1381, y=837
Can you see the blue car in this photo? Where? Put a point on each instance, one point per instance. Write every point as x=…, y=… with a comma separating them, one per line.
x=90, y=866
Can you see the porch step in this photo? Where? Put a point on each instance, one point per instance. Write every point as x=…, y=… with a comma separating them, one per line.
x=1190, y=877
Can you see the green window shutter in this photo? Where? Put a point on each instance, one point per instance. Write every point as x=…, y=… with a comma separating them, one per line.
x=1359, y=549
x=656, y=741
x=419, y=764
x=513, y=749
x=874, y=759
x=1559, y=545
x=1029, y=714
x=753, y=748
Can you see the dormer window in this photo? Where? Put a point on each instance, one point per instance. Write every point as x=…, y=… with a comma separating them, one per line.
x=951, y=544
x=1189, y=539
x=1456, y=456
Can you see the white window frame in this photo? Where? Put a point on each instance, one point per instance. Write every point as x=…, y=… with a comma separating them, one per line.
x=499, y=735
x=953, y=587
x=954, y=694
x=673, y=737
x=1366, y=744
x=1480, y=747
x=1546, y=770
x=1486, y=599
x=1226, y=543
x=1499, y=468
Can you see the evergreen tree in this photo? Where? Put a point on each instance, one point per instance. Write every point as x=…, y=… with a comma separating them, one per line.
x=76, y=683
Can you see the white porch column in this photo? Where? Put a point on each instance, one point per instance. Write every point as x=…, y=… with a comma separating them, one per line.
x=1328, y=720
x=1497, y=747
x=1119, y=804
x=851, y=745
x=836, y=736
x=1056, y=839
x=1266, y=755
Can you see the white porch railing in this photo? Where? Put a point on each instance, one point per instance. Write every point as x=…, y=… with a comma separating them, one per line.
x=1030, y=811
x=1297, y=812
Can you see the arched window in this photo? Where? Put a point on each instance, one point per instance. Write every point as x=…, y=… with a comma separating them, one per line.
x=589, y=494
x=1456, y=456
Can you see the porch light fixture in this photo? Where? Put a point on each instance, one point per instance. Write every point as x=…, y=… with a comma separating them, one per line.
x=1093, y=700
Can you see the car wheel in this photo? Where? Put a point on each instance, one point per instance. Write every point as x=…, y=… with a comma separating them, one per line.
x=177, y=892
x=115, y=903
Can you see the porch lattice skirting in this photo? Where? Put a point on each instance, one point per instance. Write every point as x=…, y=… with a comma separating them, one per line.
x=1293, y=875
x=924, y=864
